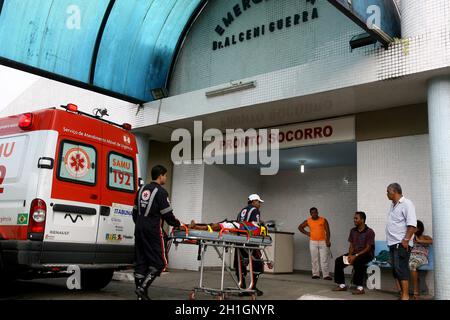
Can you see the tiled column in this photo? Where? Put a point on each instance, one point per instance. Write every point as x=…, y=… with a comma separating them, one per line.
x=439, y=123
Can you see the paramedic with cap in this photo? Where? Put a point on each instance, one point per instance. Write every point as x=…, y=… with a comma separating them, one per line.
x=251, y=214
x=152, y=207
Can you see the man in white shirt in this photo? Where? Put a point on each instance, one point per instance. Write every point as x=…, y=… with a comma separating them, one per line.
x=402, y=223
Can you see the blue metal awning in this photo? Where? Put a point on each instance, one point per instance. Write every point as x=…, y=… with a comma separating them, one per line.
x=380, y=18
x=123, y=48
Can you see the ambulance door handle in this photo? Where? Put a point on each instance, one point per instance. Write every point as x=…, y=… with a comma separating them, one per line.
x=105, y=211
x=46, y=163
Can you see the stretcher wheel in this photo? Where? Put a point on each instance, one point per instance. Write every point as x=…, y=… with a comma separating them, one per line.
x=192, y=295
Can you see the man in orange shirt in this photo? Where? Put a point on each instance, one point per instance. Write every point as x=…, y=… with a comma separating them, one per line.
x=319, y=243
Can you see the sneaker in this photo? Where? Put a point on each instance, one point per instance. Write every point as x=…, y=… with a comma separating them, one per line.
x=339, y=288
x=315, y=277
x=358, y=291
x=328, y=278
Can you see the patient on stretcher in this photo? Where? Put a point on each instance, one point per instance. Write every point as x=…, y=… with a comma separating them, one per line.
x=253, y=228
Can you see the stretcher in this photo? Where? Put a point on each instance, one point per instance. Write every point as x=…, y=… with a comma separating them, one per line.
x=222, y=242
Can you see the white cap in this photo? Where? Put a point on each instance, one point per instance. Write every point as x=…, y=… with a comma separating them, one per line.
x=253, y=197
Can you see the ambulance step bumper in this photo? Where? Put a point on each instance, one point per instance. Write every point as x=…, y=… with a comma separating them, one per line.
x=37, y=253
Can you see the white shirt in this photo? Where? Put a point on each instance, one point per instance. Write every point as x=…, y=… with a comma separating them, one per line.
x=401, y=215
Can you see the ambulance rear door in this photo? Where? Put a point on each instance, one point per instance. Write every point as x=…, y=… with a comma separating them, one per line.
x=72, y=222
x=115, y=238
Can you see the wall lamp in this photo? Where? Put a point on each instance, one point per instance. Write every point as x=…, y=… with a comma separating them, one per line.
x=362, y=40
x=239, y=86
x=160, y=93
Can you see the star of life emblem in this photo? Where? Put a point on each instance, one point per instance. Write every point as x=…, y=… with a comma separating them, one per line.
x=77, y=162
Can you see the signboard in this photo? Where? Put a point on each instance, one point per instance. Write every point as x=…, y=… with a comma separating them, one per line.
x=296, y=135
x=379, y=18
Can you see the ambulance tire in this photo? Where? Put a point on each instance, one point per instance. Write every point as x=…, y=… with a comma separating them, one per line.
x=5, y=279
x=95, y=279
x=2, y=273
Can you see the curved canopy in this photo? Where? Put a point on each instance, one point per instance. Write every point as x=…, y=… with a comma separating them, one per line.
x=123, y=48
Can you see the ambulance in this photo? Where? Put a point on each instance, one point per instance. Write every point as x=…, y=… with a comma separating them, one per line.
x=67, y=186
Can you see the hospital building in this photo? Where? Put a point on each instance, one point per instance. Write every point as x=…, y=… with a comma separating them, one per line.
x=359, y=106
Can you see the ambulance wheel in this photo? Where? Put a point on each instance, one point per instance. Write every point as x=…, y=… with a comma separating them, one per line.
x=2, y=272
x=192, y=295
x=95, y=279
x=6, y=279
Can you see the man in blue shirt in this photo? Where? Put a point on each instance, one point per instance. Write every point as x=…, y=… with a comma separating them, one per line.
x=402, y=223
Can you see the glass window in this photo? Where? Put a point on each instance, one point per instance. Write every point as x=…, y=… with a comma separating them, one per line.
x=78, y=163
x=121, y=172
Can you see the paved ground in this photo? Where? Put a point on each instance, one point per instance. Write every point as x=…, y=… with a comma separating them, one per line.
x=176, y=285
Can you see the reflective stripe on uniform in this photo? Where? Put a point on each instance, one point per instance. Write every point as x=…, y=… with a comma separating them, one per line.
x=152, y=198
x=163, y=247
x=167, y=210
x=249, y=213
x=139, y=201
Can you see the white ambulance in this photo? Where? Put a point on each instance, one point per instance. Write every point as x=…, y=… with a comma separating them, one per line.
x=67, y=186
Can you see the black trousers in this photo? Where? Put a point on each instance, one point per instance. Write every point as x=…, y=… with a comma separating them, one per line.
x=359, y=269
x=400, y=261
x=258, y=264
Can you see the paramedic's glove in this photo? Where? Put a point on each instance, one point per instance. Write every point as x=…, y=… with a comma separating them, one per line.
x=270, y=265
x=328, y=244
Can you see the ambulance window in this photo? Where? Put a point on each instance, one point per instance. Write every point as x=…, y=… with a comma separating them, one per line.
x=121, y=172
x=78, y=163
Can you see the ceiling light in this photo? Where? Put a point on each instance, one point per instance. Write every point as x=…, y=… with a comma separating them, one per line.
x=302, y=166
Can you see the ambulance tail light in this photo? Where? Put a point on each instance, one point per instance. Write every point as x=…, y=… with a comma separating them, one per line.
x=26, y=121
x=127, y=126
x=36, y=226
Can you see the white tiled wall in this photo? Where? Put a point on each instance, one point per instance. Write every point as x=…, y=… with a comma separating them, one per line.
x=321, y=39
x=299, y=61
x=225, y=193
x=290, y=195
x=404, y=160
x=187, y=203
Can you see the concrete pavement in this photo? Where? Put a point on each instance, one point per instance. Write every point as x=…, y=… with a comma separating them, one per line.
x=177, y=284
